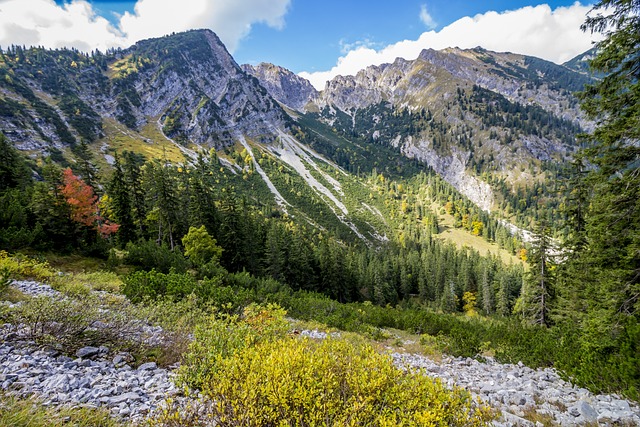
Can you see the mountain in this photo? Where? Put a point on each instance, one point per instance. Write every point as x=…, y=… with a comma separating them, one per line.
x=580, y=63
x=493, y=125
x=187, y=83
x=286, y=87
x=465, y=113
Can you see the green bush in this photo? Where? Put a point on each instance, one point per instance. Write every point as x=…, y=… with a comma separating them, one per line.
x=5, y=279
x=302, y=382
x=153, y=284
x=224, y=335
x=23, y=267
x=149, y=255
x=224, y=298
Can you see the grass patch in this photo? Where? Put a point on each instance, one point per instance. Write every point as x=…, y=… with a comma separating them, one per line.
x=150, y=141
x=462, y=238
x=98, y=281
x=31, y=413
x=535, y=417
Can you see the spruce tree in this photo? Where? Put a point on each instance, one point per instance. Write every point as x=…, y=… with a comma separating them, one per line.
x=612, y=222
x=538, y=290
x=119, y=193
x=13, y=169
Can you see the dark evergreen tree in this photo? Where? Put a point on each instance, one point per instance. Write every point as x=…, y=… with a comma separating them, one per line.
x=14, y=172
x=538, y=291
x=85, y=164
x=119, y=193
x=132, y=168
x=162, y=195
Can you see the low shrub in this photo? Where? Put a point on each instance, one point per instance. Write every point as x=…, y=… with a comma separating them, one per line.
x=5, y=280
x=49, y=321
x=21, y=266
x=224, y=335
x=302, y=382
x=71, y=323
x=153, y=284
x=149, y=255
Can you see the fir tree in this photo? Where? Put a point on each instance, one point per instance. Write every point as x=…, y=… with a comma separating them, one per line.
x=13, y=169
x=538, y=289
x=119, y=193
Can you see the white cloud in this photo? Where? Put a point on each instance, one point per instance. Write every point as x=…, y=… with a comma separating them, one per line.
x=231, y=20
x=76, y=24
x=426, y=18
x=43, y=23
x=346, y=47
x=553, y=35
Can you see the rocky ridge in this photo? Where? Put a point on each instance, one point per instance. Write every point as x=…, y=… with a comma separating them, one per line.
x=286, y=87
x=95, y=377
x=486, y=111
x=186, y=84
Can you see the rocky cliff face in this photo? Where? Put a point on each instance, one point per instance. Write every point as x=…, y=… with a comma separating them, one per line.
x=187, y=83
x=199, y=92
x=286, y=87
x=430, y=77
x=463, y=112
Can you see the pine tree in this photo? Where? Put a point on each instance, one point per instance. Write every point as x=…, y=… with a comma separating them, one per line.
x=487, y=290
x=132, y=168
x=162, y=195
x=85, y=164
x=276, y=252
x=538, y=290
x=119, y=193
x=613, y=222
x=601, y=275
x=51, y=210
x=13, y=169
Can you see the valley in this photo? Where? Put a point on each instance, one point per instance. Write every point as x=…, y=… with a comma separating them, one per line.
x=467, y=212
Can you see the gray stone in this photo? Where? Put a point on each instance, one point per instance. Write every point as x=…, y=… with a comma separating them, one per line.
x=85, y=352
x=150, y=366
x=587, y=411
x=116, y=400
x=516, y=421
x=119, y=360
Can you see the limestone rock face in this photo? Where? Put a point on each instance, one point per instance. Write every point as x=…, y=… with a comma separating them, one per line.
x=286, y=87
x=186, y=84
x=485, y=112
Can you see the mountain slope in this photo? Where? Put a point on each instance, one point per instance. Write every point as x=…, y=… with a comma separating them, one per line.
x=483, y=120
x=486, y=122
x=187, y=83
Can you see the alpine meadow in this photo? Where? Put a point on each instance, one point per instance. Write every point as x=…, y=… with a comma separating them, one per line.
x=449, y=240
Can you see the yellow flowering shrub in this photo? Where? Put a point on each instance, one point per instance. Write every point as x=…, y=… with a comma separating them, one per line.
x=224, y=335
x=301, y=382
x=252, y=374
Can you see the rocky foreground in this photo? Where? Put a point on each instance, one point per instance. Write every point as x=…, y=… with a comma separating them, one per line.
x=96, y=377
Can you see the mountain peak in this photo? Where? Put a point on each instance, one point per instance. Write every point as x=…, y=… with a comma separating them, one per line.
x=286, y=87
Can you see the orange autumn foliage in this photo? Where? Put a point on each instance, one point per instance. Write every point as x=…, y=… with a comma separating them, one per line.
x=84, y=204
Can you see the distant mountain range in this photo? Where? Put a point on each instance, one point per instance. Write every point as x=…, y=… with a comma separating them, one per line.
x=487, y=122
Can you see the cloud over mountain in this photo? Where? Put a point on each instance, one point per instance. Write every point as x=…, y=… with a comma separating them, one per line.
x=76, y=24
x=552, y=34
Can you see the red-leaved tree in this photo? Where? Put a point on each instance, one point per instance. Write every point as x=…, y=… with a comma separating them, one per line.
x=84, y=204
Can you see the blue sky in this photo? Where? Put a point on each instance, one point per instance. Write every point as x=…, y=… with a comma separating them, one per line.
x=318, y=39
